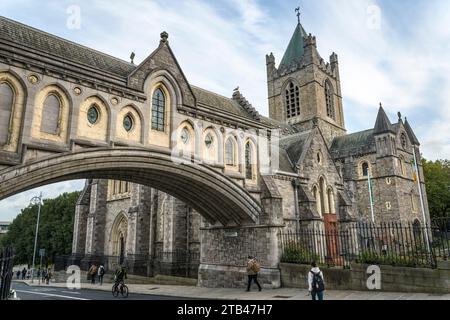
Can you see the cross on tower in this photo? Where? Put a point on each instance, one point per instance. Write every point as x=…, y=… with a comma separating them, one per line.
x=298, y=14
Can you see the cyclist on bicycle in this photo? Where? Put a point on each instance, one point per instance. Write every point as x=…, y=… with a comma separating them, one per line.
x=119, y=276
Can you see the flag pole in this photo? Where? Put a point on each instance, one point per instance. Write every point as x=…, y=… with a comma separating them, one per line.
x=421, y=197
x=370, y=195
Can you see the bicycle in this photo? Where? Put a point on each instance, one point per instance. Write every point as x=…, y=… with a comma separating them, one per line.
x=120, y=287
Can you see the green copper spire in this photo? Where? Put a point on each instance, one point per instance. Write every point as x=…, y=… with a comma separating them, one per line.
x=294, y=51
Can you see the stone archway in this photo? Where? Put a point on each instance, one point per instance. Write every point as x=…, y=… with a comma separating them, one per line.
x=208, y=191
x=119, y=237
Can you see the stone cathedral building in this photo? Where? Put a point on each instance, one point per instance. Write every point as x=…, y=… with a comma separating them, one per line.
x=322, y=176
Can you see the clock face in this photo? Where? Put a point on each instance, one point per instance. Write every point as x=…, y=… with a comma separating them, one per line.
x=92, y=115
x=208, y=141
x=185, y=136
x=128, y=123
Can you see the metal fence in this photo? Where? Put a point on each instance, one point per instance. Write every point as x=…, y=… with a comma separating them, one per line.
x=407, y=244
x=6, y=272
x=176, y=263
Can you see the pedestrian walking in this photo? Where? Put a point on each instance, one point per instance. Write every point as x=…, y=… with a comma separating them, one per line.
x=18, y=274
x=48, y=275
x=93, y=273
x=316, y=284
x=101, y=273
x=253, y=268
x=28, y=274
x=44, y=275
x=24, y=273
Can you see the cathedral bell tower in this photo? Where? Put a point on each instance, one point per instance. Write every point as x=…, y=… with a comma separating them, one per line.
x=305, y=89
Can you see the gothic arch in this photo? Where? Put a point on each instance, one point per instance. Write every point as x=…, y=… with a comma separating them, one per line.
x=100, y=129
x=214, y=152
x=234, y=140
x=14, y=118
x=331, y=201
x=291, y=98
x=323, y=196
x=136, y=133
x=63, y=119
x=329, y=99
x=119, y=232
x=251, y=160
x=214, y=195
x=189, y=148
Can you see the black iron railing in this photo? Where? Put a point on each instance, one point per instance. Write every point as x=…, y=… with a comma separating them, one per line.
x=398, y=244
x=6, y=272
x=177, y=263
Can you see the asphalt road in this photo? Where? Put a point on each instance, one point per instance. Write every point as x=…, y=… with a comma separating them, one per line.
x=25, y=292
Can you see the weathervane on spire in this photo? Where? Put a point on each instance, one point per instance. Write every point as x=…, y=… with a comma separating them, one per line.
x=298, y=14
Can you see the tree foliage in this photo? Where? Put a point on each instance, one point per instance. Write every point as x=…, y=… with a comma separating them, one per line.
x=55, y=229
x=437, y=179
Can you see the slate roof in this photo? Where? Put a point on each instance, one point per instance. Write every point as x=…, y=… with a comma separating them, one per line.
x=43, y=42
x=383, y=124
x=217, y=101
x=293, y=146
x=351, y=143
x=295, y=50
x=285, y=129
x=410, y=133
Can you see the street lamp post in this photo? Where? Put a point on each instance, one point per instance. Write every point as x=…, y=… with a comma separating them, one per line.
x=34, y=201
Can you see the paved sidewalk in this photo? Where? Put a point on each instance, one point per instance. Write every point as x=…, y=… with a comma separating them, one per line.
x=267, y=294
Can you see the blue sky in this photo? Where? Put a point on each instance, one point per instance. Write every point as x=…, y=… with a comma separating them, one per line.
x=394, y=52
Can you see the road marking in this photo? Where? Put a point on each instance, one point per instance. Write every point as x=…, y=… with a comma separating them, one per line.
x=51, y=295
x=71, y=292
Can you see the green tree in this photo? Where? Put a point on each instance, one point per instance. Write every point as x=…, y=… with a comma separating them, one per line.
x=55, y=229
x=437, y=179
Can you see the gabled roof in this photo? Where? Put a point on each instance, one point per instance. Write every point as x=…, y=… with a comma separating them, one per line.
x=350, y=143
x=411, y=134
x=37, y=40
x=383, y=124
x=294, y=145
x=217, y=101
x=295, y=50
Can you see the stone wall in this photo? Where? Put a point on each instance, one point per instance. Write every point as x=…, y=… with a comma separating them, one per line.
x=393, y=279
x=224, y=258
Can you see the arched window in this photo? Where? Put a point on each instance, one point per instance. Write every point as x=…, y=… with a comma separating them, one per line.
x=322, y=192
x=365, y=169
x=330, y=200
x=185, y=135
x=292, y=97
x=329, y=98
x=230, y=152
x=158, y=110
x=316, y=194
x=6, y=108
x=51, y=111
x=248, y=161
